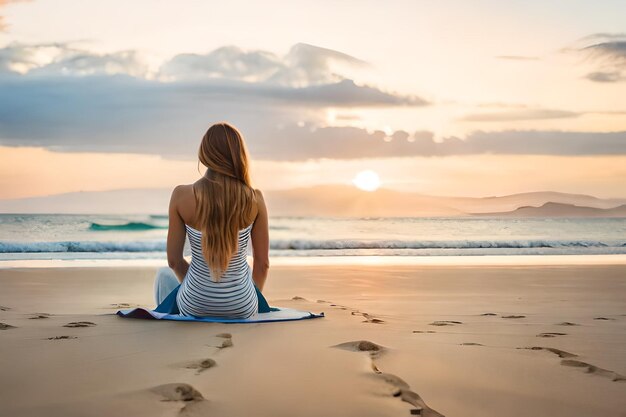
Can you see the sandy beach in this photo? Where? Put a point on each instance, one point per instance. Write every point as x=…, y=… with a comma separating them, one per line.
x=454, y=340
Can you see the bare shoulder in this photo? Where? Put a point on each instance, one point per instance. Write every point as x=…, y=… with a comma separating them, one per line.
x=261, y=208
x=259, y=194
x=182, y=192
x=260, y=200
x=183, y=202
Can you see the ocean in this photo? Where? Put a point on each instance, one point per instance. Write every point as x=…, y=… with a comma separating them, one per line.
x=126, y=237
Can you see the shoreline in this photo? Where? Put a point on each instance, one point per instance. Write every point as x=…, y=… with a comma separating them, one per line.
x=466, y=260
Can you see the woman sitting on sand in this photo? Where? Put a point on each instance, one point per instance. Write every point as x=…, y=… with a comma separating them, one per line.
x=219, y=213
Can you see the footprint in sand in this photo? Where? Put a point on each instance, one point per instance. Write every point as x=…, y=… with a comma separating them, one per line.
x=399, y=387
x=226, y=343
x=123, y=305
x=367, y=317
x=513, y=316
x=424, y=331
x=402, y=390
x=567, y=323
x=339, y=306
x=194, y=402
x=4, y=326
x=373, y=320
x=592, y=369
x=62, y=337
x=560, y=353
x=298, y=298
x=361, y=346
x=177, y=392
x=471, y=344
x=489, y=314
x=566, y=360
x=201, y=365
x=3, y=308
x=38, y=316
x=371, y=348
x=80, y=324
x=551, y=334
x=603, y=318
x=445, y=323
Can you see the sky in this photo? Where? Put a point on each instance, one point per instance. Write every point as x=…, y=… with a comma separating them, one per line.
x=461, y=98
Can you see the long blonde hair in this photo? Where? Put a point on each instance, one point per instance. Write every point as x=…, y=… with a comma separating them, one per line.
x=225, y=199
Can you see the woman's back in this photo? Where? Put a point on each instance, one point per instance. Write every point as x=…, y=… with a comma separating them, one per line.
x=220, y=214
x=232, y=296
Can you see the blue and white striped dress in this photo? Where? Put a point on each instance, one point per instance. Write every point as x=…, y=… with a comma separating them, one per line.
x=233, y=296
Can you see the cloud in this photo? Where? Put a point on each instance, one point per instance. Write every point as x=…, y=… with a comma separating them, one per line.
x=609, y=55
x=227, y=62
x=62, y=97
x=304, y=75
x=170, y=123
x=519, y=115
x=606, y=76
x=54, y=59
x=125, y=114
x=514, y=142
x=612, y=51
x=295, y=142
x=81, y=63
x=304, y=65
x=604, y=36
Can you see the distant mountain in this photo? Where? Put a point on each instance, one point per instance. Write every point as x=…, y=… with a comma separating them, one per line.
x=339, y=200
x=538, y=198
x=323, y=200
x=552, y=209
x=131, y=201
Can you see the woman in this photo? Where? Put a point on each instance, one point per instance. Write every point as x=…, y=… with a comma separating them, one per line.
x=220, y=213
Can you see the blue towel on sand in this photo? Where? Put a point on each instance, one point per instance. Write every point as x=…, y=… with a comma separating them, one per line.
x=168, y=310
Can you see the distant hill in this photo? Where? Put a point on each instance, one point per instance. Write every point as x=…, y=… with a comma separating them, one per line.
x=323, y=200
x=132, y=201
x=538, y=198
x=552, y=209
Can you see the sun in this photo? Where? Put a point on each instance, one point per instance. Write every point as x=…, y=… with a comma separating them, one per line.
x=367, y=180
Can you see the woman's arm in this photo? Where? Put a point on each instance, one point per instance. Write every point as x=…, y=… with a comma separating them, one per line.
x=260, y=244
x=176, y=238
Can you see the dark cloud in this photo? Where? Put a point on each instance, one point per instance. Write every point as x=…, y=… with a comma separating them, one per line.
x=609, y=55
x=520, y=115
x=349, y=143
x=125, y=114
x=613, y=51
x=514, y=142
x=606, y=77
